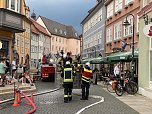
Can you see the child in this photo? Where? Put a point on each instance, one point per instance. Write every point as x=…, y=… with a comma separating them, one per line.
x=29, y=79
x=8, y=78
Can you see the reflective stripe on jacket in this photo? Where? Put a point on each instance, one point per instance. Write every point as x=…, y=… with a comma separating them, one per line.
x=86, y=75
x=68, y=77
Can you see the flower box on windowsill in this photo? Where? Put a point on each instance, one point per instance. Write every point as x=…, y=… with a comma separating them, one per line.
x=108, y=43
x=126, y=6
x=116, y=13
x=128, y=36
x=107, y=19
x=130, y=3
x=116, y=40
x=110, y=17
x=119, y=11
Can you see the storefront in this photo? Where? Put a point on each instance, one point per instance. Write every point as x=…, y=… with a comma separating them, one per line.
x=145, y=51
x=10, y=23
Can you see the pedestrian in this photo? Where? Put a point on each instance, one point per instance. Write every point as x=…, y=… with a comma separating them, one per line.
x=26, y=66
x=2, y=72
x=118, y=75
x=117, y=71
x=7, y=63
x=67, y=76
x=86, y=77
x=95, y=76
x=14, y=67
x=69, y=58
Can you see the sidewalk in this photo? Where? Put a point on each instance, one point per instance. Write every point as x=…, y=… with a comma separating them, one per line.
x=138, y=102
x=7, y=92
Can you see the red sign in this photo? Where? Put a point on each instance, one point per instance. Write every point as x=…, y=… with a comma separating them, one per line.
x=148, y=30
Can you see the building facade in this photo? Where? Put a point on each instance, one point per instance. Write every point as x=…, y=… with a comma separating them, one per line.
x=34, y=46
x=62, y=37
x=10, y=23
x=40, y=43
x=93, y=28
x=145, y=48
x=117, y=11
x=23, y=40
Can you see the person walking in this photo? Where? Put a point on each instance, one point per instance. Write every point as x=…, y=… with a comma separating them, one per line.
x=67, y=76
x=95, y=71
x=2, y=72
x=86, y=77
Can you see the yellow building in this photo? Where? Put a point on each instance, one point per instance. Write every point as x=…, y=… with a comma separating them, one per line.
x=22, y=45
x=12, y=27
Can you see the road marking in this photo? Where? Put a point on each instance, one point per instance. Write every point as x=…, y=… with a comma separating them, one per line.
x=93, y=96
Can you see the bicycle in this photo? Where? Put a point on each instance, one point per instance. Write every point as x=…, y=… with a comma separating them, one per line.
x=111, y=83
x=129, y=86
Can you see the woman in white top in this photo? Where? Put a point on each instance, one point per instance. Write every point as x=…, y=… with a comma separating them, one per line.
x=14, y=67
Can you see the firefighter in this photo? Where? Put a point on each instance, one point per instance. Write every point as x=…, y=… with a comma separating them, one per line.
x=68, y=81
x=86, y=78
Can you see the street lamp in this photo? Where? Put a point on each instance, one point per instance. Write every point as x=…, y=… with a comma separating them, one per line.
x=126, y=23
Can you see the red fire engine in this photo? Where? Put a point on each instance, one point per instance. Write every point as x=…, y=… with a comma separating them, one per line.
x=47, y=69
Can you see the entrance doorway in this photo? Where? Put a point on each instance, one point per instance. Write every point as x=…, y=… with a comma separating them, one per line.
x=4, y=51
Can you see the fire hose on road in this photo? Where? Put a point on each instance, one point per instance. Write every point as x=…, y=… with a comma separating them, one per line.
x=30, y=101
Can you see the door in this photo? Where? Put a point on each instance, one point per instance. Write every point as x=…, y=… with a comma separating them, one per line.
x=4, y=51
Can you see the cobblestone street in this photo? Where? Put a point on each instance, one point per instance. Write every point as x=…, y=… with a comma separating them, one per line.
x=52, y=103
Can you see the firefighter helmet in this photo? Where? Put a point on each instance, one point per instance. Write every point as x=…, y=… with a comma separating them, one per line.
x=67, y=63
x=88, y=64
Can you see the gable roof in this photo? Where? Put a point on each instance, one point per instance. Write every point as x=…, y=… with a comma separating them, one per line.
x=39, y=27
x=59, y=29
x=34, y=30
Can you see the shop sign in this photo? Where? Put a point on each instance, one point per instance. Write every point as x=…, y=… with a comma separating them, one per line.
x=122, y=58
x=148, y=30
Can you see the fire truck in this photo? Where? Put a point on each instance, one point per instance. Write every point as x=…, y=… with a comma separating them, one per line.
x=48, y=69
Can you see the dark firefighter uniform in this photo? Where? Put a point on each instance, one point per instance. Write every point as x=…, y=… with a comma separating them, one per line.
x=68, y=82
x=86, y=77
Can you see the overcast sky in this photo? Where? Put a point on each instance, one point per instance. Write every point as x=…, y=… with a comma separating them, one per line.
x=68, y=12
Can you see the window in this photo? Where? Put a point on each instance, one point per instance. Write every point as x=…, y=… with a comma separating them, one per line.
x=76, y=34
x=64, y=32
x=109, y=35
x=55, y=30
x=145, y=2
x=13, y=5
x=60, y=40
x=118, y=5
x=56, y=48
x=52, y=47
x=137, y=23
x=60, y=31
x=17, y=41
x=110, y=10
x=117, y=30
x=127, y=2
x=22, y=42
x=63, y=40
x=100, y=15
x=52, y=39
x=128, y=30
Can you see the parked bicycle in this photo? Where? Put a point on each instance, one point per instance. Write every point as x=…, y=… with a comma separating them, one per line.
x=129, y=86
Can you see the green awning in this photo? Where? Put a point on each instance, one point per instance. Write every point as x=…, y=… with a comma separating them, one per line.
x=122, y=56
x=86, y=60
x=98, y=60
